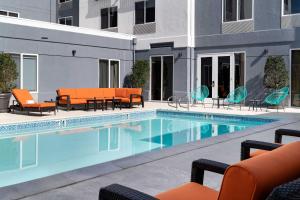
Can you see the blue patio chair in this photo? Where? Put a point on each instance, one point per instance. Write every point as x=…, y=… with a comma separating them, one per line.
x=277, y=98
x=200, y=94
x=237, y=96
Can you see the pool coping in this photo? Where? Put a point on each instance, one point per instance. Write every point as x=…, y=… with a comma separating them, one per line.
x=65, y=179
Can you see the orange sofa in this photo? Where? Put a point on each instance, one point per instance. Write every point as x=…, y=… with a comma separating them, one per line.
x=251, y=179
x=26, y=103
x=71, y=97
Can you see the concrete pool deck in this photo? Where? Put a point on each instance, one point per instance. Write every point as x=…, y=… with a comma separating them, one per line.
x=151, y=172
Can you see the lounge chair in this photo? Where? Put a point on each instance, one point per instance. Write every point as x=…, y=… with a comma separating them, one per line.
x=237, y=96
x=263, y=147
x=200, y=94
x=26, y=103
x=251, y=179
x=276, y=98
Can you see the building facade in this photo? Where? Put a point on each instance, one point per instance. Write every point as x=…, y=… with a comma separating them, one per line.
x=223, y=44
x=219, y=43
x=51, y=56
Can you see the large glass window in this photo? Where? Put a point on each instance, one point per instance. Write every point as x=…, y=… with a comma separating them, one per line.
x=30, y=73
x=235, y=10
x=291, y=7
x=66, y=20
x=109, y=17
x=295, y=90
x=9, y=13
x=109, y=74
x=17, y=59
x=144, y=12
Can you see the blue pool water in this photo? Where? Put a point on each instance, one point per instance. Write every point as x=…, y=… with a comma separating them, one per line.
x=34, y=150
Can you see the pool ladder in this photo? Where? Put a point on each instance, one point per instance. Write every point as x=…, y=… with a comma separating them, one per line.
x=176, y=102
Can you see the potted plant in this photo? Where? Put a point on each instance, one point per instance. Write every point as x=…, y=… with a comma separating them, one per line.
x=140, y=74
x=8, y=76
x=276, y=75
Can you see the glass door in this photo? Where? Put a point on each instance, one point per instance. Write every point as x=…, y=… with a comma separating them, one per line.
x=161, y=78
x=295, y=76
x=217, y=72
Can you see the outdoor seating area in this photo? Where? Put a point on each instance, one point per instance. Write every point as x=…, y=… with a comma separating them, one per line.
x=82, y=98
x=250, y=179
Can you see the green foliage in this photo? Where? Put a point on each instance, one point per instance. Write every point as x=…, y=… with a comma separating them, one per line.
x=140, y=74
x=8, y=73
x=276, y=74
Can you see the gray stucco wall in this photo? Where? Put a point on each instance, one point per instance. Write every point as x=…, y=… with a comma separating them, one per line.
x=43, y=10
x=57, y=67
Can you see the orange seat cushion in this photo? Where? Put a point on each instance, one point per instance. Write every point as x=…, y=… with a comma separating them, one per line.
x=71, y=92
x=109, y=92
x=134, y=100
x=22, y=96
x=74, y=101
x=257, y=153
x=39, y=105
x=189, y=191
x=121, y=92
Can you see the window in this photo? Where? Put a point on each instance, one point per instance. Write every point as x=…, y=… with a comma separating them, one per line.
x=291, y=7
x=66, y=21
x=9, y=13
x=109, y=73
x=236, y=10
x=109, y=17
x=144, y=12
x=64, y=1
x=27, y=70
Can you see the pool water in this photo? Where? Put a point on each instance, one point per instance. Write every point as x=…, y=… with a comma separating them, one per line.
x=32, y=154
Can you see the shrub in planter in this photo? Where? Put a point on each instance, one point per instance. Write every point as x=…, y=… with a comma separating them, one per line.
x=140, y=74
x=8, y=76
x=276, y=75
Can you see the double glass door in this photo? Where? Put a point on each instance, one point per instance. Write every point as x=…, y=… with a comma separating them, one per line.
x=217, y=72
x=161, y=78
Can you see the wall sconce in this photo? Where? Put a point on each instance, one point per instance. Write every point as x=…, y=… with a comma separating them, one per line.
x=179, y=55
x=74, y=52
x=266, y=51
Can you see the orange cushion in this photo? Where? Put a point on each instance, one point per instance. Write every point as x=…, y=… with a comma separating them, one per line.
x=121, y=92
x=257, y=153
x=108, y=92
x=71, y=92
x=39, y=105
x=134, y=100
x=22, y=96
x=74, y=101
x=89, y=93
x=134, y=91
x=255, y=178
x=189, y=191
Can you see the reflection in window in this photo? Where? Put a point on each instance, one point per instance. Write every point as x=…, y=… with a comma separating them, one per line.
x=239, y=69
x=235, y=10
x=295, y=90
x=66, y=21
x=109, y=73
x=109, y=139
x=291, y=7
x=30, y=73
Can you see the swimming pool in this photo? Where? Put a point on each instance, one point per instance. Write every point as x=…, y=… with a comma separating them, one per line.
x=34, y=150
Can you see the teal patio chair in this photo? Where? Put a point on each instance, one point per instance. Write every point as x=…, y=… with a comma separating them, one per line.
x=200, y=94
x=237, y=96
x=277, y=98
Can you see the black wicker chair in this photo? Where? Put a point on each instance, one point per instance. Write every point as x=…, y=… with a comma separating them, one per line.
x=247, y=145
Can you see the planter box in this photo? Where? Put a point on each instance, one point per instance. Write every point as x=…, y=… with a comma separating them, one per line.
x=4, y=102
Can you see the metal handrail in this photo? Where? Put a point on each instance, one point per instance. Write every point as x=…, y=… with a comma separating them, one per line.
x=170, y=103
x=181, y=100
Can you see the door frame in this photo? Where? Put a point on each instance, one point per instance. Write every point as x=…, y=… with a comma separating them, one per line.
x=161, y=82
x=215, y=69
